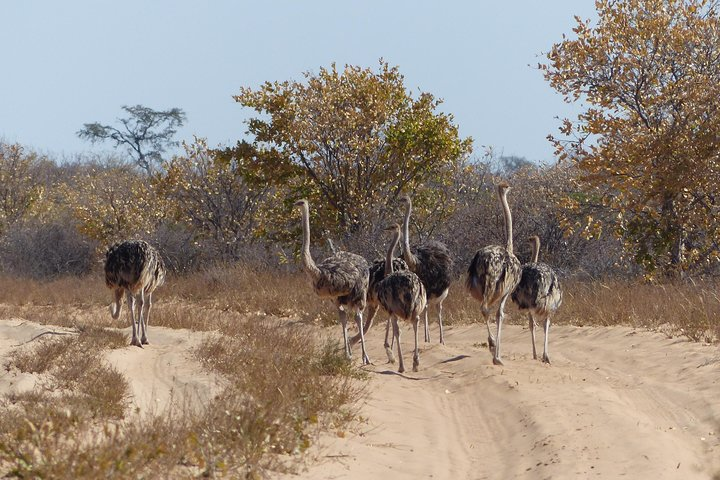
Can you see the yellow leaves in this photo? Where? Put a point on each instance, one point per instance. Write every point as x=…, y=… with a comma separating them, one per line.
x=21, y=192
x=356, y=136
x=112, y=203
x=648, y=71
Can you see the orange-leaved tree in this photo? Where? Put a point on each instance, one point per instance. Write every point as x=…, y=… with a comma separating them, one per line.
x=356, y=139
x=647, y=142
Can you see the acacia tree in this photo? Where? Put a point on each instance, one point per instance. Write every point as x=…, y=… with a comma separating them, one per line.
x=647, y=145
x=145, y=133
x=355, y=139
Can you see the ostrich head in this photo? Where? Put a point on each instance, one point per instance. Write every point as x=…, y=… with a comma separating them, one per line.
x=404, y=200
x=394, y=228
x=503, y=187
x=301, y=203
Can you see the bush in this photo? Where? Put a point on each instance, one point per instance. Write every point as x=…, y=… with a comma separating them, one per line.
x=44, y=250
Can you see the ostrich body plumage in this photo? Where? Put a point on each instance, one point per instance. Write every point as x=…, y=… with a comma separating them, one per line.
x=493, y=275
x=432, y=262
x=136, y=269
x=540, y=294
x=402, y=295
x=343, y=277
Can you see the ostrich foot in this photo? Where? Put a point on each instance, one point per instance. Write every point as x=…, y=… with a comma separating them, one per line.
x=416, y=364
x=401, y=369
x=366, y=360
x=390, y=355
x=145, y=341
x=136, y=342
x=546, y=359
x=497, y=361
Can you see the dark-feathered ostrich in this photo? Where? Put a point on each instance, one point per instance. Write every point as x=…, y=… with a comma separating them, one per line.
x=377, y=273
x=432, y=263
x=493, y=275
x=402, y=295
x=539, y=293
x=136, y=269
x=342, y=277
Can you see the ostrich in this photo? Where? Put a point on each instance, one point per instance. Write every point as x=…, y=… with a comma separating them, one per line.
x=136, y=269
x=377, y=274
x=402, y=295
x=342, y=277
x=432, y=263
x=493, y=275
x=539, y=293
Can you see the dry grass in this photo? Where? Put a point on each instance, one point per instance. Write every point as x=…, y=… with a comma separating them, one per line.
x=281, y=384
x=45, y=431
x=284, y=383
x=220, y=296
x=689, y=309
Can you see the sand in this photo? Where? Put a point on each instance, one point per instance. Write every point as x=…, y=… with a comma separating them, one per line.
x=615, y=403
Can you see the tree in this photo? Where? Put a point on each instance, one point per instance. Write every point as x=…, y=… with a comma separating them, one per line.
x=355, y=140
x=215, y=195
x=145, y=133
x=647, y=145
x=112, y=202
x=20, y=188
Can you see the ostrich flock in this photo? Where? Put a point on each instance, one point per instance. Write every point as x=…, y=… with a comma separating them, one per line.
x=404, y=287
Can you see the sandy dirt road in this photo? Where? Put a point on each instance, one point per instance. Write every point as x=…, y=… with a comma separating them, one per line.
x=615, y=403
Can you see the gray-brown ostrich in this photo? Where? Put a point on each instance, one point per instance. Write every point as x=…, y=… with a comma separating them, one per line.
x=539, y=293
x=136, y=269
x=377, y=273
x=493, y=275
x=402, y=295
x=432, y=263
x=342, y=277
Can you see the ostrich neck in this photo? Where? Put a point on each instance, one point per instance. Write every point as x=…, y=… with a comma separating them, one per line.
x=407, y=254
x=307, y=260
x=389, y=256
x=508, y=222
x=535, y=250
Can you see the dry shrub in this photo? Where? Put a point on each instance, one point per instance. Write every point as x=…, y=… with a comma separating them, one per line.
x=690, y=309
x=679, y=309
x=247, y=290
x=43, y=249
x=46, y=432
x=67, y=290
x=280, y=384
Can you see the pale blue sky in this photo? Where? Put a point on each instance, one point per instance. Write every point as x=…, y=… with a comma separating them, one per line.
x=74, y=62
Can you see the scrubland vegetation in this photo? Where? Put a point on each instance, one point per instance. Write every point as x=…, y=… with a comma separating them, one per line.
x=628, y=218
x=284, y=380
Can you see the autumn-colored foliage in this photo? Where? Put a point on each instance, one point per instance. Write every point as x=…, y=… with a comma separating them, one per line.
x=20, y=190
x=359, y=139
x=647, y=144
